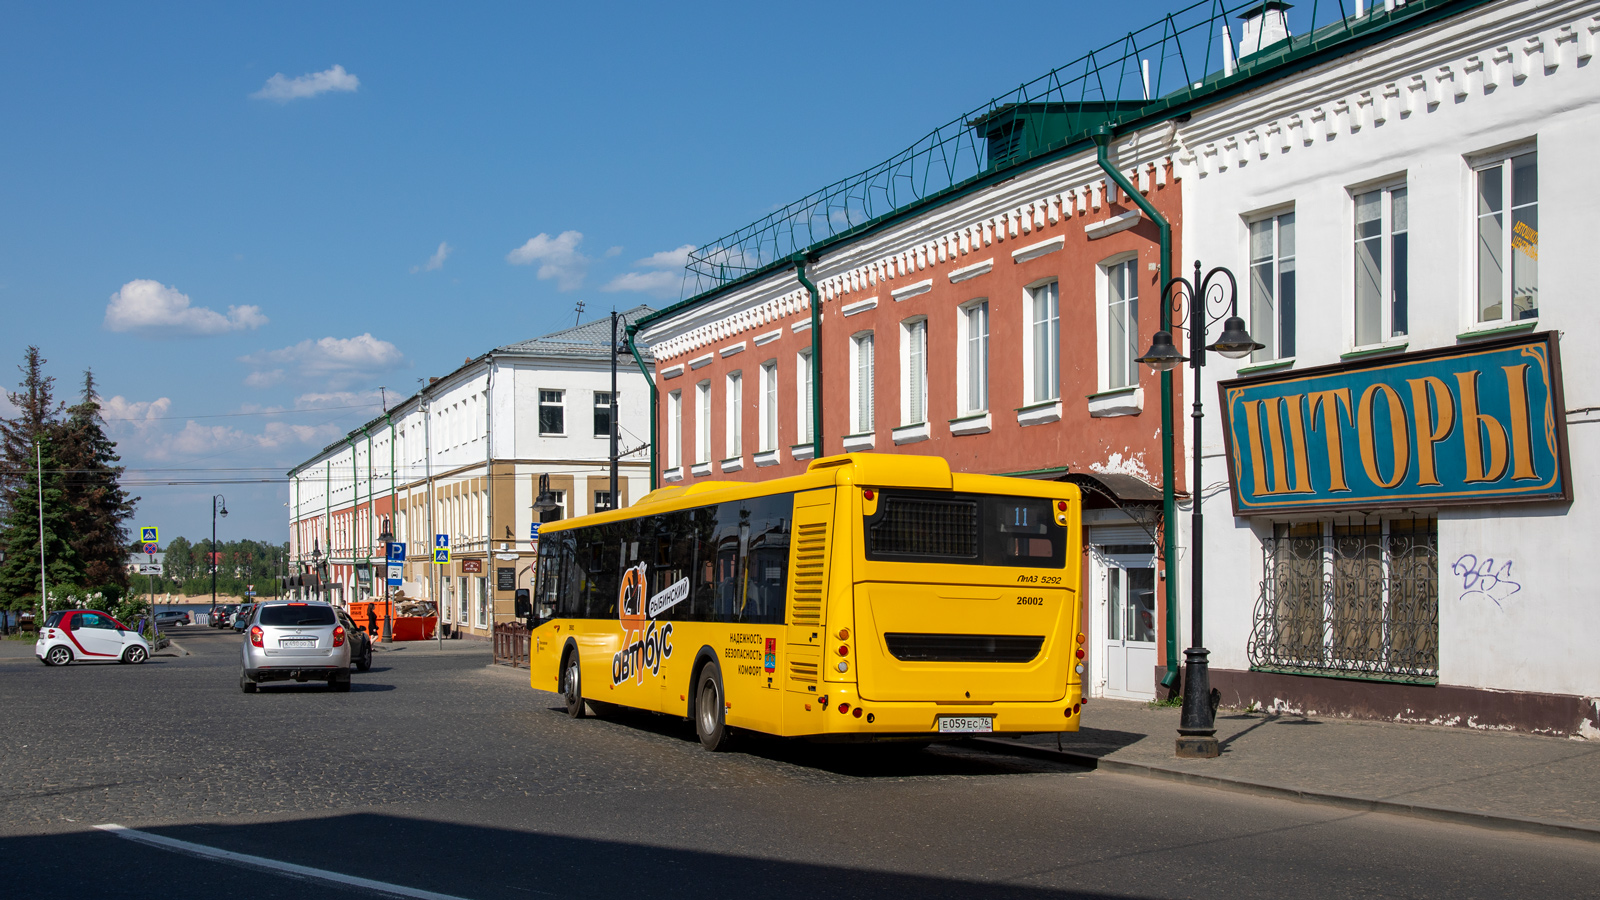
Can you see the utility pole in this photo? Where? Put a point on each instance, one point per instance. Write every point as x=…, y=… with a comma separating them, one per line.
x=616, y=502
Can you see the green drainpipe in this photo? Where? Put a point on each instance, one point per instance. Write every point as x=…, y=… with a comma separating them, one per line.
x=655, y=399
x=1169, y=501
x=816, y=355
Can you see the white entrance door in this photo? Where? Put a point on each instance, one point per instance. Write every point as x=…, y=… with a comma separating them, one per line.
x=1130, y=627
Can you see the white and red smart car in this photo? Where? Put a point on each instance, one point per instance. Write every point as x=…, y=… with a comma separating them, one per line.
x=88, y=635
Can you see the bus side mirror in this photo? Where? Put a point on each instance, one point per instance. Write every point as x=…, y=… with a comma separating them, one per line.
x=524, y=605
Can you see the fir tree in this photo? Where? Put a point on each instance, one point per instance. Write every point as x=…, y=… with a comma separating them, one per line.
x=19, y=534
x=37, y=414
x=98, y=506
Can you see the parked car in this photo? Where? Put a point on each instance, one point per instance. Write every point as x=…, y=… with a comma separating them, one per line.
x=88, y=635
x=360, y=642
x=222, y=614
x=241, y=619
x=174, y=617
x=301, y=640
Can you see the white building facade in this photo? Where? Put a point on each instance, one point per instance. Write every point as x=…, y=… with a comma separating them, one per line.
x=1400, y=487
x=463, y=459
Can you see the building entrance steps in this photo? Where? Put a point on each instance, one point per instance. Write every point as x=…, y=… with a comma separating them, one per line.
x=1492, y=779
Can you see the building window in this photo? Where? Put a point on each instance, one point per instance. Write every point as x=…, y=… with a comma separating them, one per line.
x=1515, y=178
x=1044, y=343
x=1272, y=286
x=861, y=383
x=735, y=418
x=1122, y=324
x=769, y=404
x=973, y=369
x=702, y=422
x=463, y=598
x=675, y=429
x=552, y=412
x=914, y=372
x=483, y=601
x=1350, y=599
x=602, y=414
x=802, y=405
x=602, y=501
x=1381, y=262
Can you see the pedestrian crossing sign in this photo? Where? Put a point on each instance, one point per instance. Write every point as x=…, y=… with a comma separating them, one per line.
x=149, y=534
x=441, y=556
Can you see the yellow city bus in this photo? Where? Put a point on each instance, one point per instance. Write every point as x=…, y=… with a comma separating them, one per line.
x=875, y=597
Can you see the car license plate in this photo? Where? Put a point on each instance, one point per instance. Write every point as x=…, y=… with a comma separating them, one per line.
x=966, y=724
x=297, y=642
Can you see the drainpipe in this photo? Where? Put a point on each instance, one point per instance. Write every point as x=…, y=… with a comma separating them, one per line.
x=816, y=355
x=654, y=399
x=1169, y=501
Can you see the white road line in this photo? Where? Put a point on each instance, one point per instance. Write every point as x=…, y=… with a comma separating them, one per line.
x=271, y=865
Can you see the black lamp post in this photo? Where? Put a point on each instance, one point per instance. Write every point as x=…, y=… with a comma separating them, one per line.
x=1197, y=730
x=387, y=538
x=546, y=502
x=219, y=504
x=316, y=569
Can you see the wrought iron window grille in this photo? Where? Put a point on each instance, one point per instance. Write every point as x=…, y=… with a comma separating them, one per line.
x=1352, y=600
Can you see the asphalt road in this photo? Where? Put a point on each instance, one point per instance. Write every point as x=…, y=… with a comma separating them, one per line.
x=440, y=773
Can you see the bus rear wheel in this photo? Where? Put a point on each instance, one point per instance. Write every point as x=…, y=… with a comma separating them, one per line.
x=710, y=709
x=572, y=686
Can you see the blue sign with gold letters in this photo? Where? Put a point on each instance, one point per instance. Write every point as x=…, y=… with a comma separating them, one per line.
x=1482, y=423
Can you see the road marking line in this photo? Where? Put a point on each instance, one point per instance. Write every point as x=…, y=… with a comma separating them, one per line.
x=272, y=865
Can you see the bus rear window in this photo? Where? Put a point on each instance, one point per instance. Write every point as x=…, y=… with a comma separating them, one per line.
x=973, y=529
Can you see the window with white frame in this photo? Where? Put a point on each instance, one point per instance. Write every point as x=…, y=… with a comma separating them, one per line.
x=602, y=500
x=1381, y=264
x=702, y=422
x=735, y=427
x=972, y=372
x=1043, y=347
x=803, y=388
x=1121, y=324
x=675, y=429
x=914, y=371
x=1272, y=286
x=861, y=383
x=1508, y=237
x=602, y=414
x=552, y=412
x=483, y=601
x=769, y=404
x=462, y=596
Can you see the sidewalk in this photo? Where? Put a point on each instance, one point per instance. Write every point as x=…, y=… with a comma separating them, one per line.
x=1491, y=779
x=415, y=648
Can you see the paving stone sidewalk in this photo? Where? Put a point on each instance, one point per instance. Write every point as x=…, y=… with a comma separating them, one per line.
x=1495, y=775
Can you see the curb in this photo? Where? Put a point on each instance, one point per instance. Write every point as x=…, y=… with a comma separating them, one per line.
x=1521, y=824
x=172, y=645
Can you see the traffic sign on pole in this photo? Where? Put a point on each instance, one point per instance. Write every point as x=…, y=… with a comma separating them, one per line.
x=441, y=540
x=533, y=531
x=150, y=534
x=441, y=556
x=152, y=549
x=396, y=551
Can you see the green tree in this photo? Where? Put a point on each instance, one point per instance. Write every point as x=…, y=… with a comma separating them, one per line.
x=37, y=415
x=98, y=506
x=20, y=535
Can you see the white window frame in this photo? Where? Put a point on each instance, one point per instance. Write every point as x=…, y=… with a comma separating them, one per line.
x=1272, y=333
x=1033, y=390
x=1386, y=324
x=972, y=394
x=559, y=403
x=913, y=370
x=767, y=406
x=675, y=429
x=607, y=407
x=1508, y=239
x=862, y=420
x=803, y=376
x=483, y=600
x=735, y=423
x=1106, y=272
x=702, y=422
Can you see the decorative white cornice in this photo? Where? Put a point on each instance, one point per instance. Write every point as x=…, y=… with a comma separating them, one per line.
x=1034, y=251
x=1107, y=227
x=972, y=271
x=700, y=361
x=862, y=306
x=768, y=338
x=912, y=290
x=736, y=348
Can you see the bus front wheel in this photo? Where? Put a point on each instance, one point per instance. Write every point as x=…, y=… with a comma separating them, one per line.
x=572, y=686
x=710, y=709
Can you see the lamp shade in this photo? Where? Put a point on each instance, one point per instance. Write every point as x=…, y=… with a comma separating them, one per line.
x=1162, y=355
x=1235, y=342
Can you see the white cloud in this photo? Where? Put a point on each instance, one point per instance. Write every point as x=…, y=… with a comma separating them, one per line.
x=282, y=89
x=436, y=261
x=337, y=362
x=558, y=258
x=143, y=305
x=664, y=279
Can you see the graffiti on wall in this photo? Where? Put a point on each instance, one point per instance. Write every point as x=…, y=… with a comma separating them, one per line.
x=1488, y=577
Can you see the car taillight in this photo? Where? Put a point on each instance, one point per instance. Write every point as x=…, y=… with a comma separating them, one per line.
x=255, y=635
x=338, y=635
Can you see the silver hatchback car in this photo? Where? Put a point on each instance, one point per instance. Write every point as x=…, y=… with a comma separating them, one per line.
x=294, y=640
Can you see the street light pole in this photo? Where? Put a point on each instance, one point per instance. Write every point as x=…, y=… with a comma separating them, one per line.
x=217, y=502
x=1197, y=729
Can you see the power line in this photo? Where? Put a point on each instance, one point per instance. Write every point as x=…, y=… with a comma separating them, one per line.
x=272, y=412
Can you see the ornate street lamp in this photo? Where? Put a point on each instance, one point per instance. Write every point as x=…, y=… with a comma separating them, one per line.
x=219, y=505
x=546, y=501
x=1204, y=302
x=387, y=538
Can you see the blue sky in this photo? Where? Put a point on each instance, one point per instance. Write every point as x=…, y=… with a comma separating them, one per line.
x=247, y=218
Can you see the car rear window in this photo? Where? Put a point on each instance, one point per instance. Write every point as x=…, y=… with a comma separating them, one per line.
x=292, y=614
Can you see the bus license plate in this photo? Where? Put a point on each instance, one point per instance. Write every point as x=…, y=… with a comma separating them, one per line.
x=966, y=724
